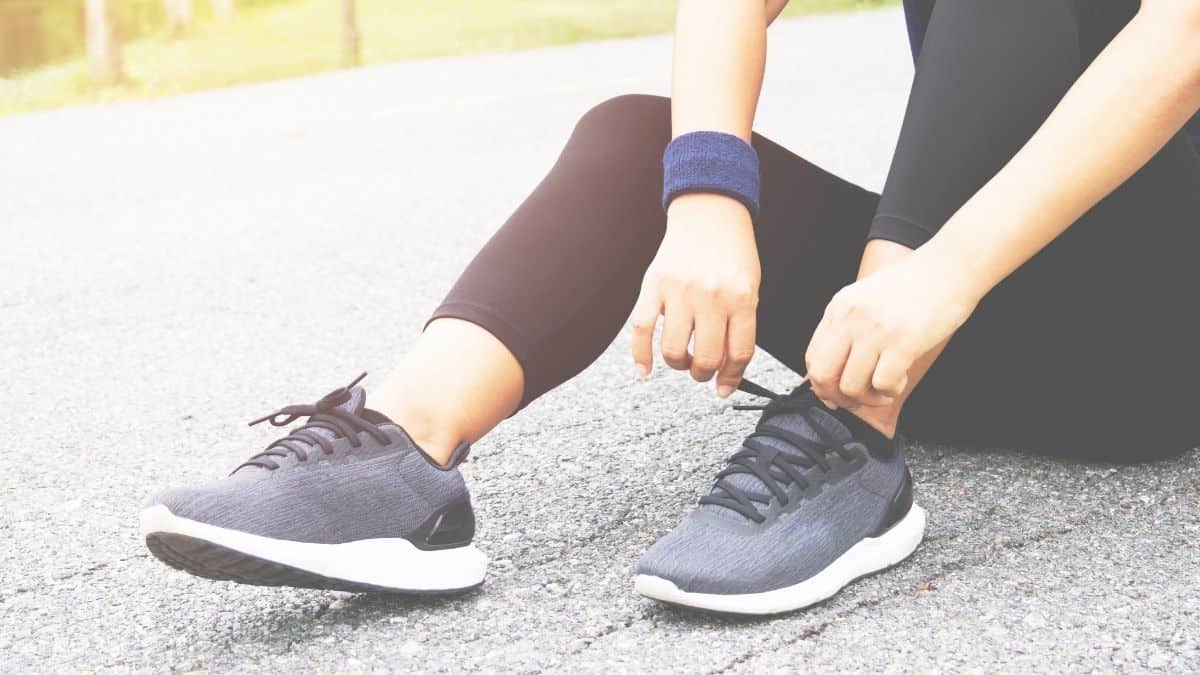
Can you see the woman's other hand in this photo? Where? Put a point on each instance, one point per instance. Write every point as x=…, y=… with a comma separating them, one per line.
x=704, y=282
x=875, y=329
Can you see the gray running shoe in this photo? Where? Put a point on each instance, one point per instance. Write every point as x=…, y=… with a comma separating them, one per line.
x=346, y=501
x=814, y=500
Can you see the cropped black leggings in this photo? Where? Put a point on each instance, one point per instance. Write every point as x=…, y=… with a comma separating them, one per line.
x=1089, y=349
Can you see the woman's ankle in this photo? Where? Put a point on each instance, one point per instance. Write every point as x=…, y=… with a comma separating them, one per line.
x=454, y=385
x=439, y=447
x=882, y=419
x=436, y=435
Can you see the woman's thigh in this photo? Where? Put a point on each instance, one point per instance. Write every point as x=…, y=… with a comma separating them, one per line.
x=1078, y=350
x=1090, y=349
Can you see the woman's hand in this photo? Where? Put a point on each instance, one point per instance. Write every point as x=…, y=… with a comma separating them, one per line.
x=875, y=329
x=703, y=281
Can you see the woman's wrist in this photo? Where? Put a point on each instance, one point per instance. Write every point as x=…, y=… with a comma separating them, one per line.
x=695, y=206
x=960, y=266
x=881, y=253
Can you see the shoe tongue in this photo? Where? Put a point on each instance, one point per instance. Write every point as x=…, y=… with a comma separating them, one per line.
x=796, y=423
x=357, y=401
x=793, y=422
x=355, y=404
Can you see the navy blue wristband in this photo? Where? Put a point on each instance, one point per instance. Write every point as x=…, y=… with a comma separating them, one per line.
x=711, y=161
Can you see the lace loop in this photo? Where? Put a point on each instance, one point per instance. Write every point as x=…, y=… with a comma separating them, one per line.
x=327, y=414
x=773, y=469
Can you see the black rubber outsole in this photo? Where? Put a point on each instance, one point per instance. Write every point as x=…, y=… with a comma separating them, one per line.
x=212, y=561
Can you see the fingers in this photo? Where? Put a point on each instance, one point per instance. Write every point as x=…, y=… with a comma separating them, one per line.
x=678, y=325
x=739, y=349
x=856, y=382
x=891, y=374
x=825, y=360
x=850, y=372
x=645, y=317
x=708, y=350
x=676, y=333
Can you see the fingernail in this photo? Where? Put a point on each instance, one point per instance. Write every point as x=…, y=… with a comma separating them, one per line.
x=643, y=370
x=724, y=391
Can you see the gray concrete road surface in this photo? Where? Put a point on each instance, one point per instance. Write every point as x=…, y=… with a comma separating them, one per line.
x=171, y=269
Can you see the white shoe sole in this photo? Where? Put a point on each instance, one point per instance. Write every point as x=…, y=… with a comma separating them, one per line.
x=866, y=557
x=367, y=565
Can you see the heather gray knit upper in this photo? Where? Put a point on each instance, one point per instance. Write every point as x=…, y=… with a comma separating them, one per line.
x=372, y=491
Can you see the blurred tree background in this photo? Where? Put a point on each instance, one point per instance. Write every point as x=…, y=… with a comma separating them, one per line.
x=63, y=52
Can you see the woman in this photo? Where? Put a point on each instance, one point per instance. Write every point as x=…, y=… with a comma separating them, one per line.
x=1027, y=278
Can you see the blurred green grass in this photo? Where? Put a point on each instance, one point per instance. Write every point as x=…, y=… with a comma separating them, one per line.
x=279, y=40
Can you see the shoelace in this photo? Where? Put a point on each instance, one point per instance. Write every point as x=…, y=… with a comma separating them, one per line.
x=324, y=414
x=775, y=470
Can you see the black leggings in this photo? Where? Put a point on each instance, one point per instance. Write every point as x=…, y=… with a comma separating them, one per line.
x=1089, y=349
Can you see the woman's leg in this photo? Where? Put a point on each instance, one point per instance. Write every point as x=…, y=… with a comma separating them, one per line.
x=956, y=136
x=455, y=384
x=1087, y=349
x=551, y=289
x=547, y=294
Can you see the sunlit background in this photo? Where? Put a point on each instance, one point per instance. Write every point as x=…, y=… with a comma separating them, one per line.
x=63, y=52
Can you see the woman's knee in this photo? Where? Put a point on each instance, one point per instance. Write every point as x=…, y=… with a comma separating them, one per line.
x=616, y=154
x=630, y=121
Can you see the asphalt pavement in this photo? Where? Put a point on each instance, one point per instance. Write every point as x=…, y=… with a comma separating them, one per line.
x=172, y=269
